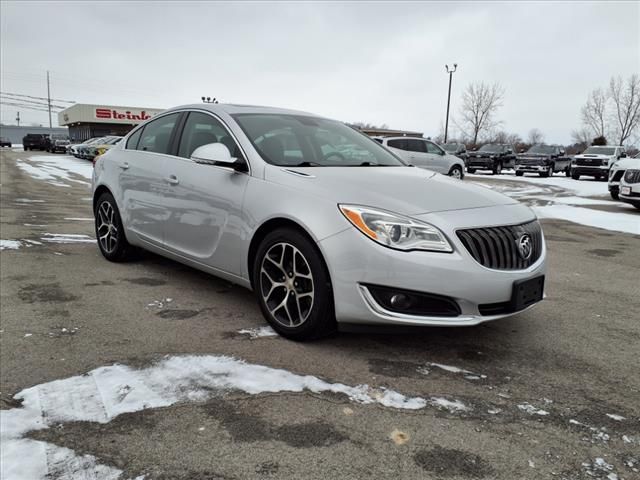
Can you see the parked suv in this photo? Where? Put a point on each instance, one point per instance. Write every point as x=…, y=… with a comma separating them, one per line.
x=544, y=160
x=424, y=154
x=630, y=187
x=617, y=173
x=35, y=141
x=5, y=142
x=492, y=156
x=57, y=143
x=596, y=161
x=457, y=149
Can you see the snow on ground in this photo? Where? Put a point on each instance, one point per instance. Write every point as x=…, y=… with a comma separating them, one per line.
x=563, y=198
x=58, y=170
x=67, y=238
x=259, y=332
x=10, y=244
x=450, y=368
x=106, y=392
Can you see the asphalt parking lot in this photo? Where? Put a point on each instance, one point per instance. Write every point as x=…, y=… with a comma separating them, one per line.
x=551, y=393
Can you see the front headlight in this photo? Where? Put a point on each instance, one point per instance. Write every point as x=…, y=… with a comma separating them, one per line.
x=396, y=231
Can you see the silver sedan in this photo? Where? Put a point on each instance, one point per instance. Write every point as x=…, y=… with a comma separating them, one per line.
x=325, y=225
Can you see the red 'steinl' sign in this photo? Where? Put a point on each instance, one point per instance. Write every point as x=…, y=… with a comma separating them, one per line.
x=108, y=113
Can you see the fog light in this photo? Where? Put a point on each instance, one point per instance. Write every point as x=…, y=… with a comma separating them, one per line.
x=400, y=301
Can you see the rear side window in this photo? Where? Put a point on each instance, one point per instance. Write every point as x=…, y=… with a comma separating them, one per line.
x=202, y=129
x=415, y=145
x=400, y=143
x=379, y=140
x=132, y=142
x=157, y=134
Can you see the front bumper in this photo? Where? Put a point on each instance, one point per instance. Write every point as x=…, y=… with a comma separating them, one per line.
x=480, y=163
x=531, y=168
x=355, y=261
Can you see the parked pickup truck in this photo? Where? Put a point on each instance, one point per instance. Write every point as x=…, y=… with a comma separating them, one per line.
x=544, y=160
x=493, y=156
x=35, y=141
x=596, y=161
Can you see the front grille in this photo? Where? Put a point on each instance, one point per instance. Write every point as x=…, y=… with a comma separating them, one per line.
x=632, y=176
x=589, y=162
x=497, y=247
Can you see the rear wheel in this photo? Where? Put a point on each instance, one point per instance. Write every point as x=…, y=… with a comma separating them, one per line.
x=456, y=172
x=109, y=230
x=293, y=287
x=519, y=173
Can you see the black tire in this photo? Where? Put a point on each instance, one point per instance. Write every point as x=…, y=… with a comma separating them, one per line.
x=575, y=176
x=116, y=248
x=25, y=148
x=471, y=170
x=615, y=195
x=519, y=173
x=456, y=172
x=497, y=168
x=319, y=315
x=567, y=172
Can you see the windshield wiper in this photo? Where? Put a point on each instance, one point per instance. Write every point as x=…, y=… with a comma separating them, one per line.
x=306, y=164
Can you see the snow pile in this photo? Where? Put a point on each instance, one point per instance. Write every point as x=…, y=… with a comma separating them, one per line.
x=619, y=222
x=531, y=410
x=450, y=368
x=10, y=244
x=260, y=332
x=106, y=392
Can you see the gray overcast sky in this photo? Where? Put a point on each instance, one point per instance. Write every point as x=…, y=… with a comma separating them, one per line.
x=375, y=62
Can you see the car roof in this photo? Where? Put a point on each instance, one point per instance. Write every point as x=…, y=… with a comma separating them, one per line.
x=401, y=138
x=232, y=109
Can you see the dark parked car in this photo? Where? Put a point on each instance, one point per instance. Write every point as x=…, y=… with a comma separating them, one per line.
x=457, y=149
x=492, y=156
x=35, y=141
x=544, y=160
x=5, y=142
x=57, y=144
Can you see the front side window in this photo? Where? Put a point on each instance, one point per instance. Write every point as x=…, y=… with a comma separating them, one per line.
x=201, y=129
x=299, y=140
x=399, y=143
x=433, y=148
x=157, y=134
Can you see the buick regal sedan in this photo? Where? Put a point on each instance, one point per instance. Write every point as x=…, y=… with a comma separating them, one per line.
x=324, y=224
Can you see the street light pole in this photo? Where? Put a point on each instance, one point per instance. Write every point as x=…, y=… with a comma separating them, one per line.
x=446, y=125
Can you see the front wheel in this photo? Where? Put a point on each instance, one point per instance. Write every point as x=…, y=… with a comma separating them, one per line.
x=519, y=173
x=497, y=168
x=292, y=285
x=109, y=230
x=575, y=176
x=567, y=172
x=456, y=172
x=471, y=170
x=615, y=195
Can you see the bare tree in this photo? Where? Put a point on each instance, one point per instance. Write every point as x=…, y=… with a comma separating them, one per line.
x=626, y=105
x=594, y=112
x=535, y=136
x=480, y=102
x=582, y=136
x=369, y=125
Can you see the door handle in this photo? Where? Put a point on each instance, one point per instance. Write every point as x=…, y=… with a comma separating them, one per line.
x=173, y=180
x=124, y=166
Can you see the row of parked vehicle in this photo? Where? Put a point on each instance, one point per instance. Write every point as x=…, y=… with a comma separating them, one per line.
x=45, y=142
x=91, y=148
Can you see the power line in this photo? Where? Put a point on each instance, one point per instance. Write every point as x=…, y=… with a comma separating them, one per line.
x=37, y=98
x=23, y=105
x=33, y=102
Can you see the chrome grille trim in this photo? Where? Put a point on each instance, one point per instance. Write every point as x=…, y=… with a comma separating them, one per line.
x=497, y=247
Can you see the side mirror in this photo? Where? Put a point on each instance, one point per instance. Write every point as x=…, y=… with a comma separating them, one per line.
x=562, y=152
x=623, y=155
x=522, y=150
x=215, y=153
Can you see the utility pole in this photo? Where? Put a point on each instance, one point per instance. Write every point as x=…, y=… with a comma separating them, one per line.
x=450, y=72
x=49, y=101
x=18, y=118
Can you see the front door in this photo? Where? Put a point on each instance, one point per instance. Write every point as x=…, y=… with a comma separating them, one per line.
x=204, y=201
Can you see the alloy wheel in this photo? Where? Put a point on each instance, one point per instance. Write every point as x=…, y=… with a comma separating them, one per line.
x=456, y=173
x=107, y=227
x=286, y=284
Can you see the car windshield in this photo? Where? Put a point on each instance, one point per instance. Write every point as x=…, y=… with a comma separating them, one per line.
x=541, y=149
x=298, y=140
x=449, y=147
x=600, y=150
x=491, y=148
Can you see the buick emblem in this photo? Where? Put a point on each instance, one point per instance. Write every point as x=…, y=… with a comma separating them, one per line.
x=525, y=247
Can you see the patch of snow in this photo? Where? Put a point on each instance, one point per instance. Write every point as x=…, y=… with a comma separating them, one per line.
x=58, y=170
x=33, y=242
x=67, y=238
x=159, y=303
x=80, y=219
x=260, y=332
x=10, y=244
x=618, y=222
x=494, y=411
x=531, y=464
x=628, y=439
x=106, y=392
x=28, y=200
x=28, y=335
x=618, y=418
x=451, y=405
x=531, y=410
x=450, y=368
x=33, y=225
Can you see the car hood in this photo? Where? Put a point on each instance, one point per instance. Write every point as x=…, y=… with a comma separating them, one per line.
x=404, y=190
x=627, y=163
x=593, y=155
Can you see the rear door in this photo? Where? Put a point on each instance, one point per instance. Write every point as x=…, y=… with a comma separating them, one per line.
x=204, y=201
x=143, y=180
